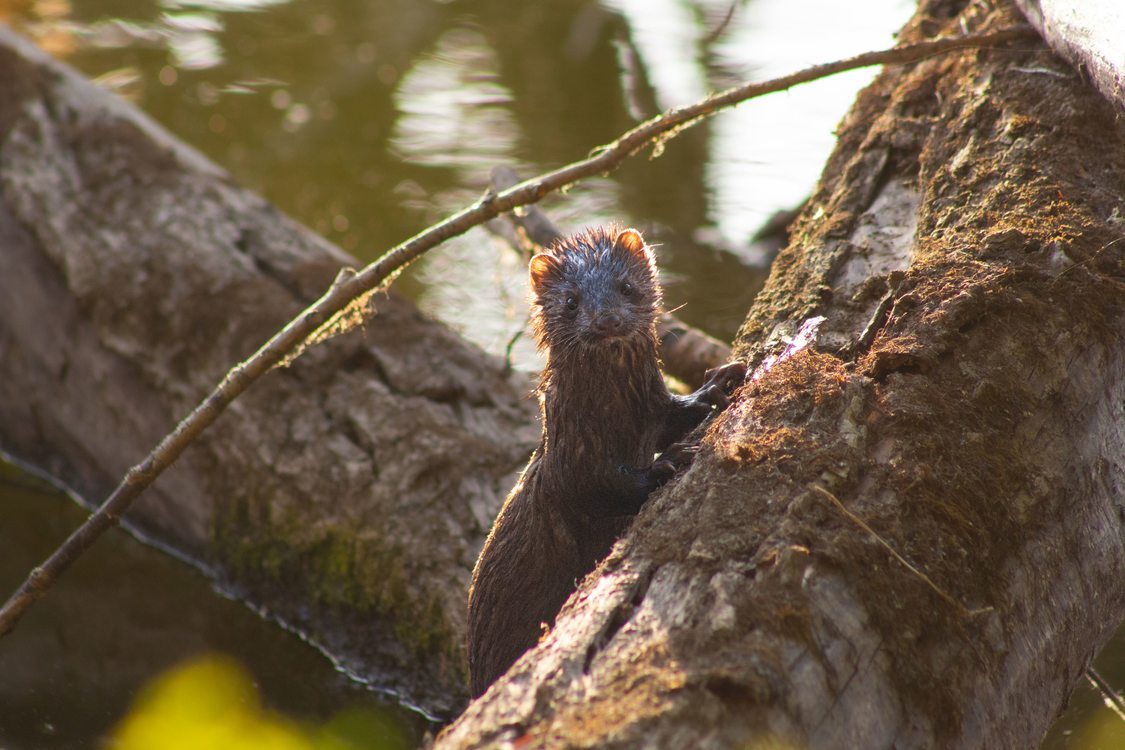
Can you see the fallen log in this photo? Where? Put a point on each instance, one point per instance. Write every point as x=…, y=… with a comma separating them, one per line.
x=908, y=530
x=349, y=493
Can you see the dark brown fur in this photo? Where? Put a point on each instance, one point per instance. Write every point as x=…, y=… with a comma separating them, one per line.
x=606, y=413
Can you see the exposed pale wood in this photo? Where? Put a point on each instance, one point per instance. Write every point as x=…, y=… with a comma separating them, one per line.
x=1090, y=34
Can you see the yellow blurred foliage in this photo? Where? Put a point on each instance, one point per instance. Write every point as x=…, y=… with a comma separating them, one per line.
x=42, y=20
x=212, y=704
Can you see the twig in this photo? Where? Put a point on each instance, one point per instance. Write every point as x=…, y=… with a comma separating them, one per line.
x=1110, y=697
x=347, y=288
x=1092, y=257
x=937, y=589
x=532, y=220
x=879, y=317
x=511, y=345
x=715, y=33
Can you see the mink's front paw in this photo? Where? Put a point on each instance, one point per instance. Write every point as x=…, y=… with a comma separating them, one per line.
x=675, y=458
x=718, y=385
x=722, y=381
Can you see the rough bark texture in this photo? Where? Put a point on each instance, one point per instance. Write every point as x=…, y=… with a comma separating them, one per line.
x=963, y=395
x=349, y=493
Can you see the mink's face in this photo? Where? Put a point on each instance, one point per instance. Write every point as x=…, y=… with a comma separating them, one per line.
x=594, y=289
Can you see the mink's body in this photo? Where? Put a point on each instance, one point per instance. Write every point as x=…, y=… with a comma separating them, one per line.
x=606, y=413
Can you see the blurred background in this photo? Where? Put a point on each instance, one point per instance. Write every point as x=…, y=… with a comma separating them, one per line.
x=367, y=120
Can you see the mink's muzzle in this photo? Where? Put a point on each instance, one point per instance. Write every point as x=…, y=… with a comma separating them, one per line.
x=607, y=324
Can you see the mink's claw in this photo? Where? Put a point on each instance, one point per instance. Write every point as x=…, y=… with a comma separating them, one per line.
x=718, y=385
x=662, y=471
x=724, y=379
x=714, y=396
x=675, y=458
x=678, y=455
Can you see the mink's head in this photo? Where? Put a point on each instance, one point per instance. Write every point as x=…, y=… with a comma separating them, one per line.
x=595, y=288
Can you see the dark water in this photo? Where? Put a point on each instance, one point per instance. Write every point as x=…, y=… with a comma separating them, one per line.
x=367, y=120
x=124, y=614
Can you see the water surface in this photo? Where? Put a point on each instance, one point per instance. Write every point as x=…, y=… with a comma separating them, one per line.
x=125, y=613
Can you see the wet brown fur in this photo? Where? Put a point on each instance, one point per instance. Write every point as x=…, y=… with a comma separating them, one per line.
x=606, y=412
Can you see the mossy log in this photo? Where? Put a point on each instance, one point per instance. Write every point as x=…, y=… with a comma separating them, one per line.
x=348, y=493
x=910, y=532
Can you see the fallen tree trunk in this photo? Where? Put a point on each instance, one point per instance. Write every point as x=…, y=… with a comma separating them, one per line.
x=909, y=532
x=333, y=554
x=348, y=493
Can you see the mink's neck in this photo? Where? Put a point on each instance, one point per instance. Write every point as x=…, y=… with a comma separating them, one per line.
x=599, y=404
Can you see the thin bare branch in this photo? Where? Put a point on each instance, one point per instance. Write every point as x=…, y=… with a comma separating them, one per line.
x=1110, y=697
x=655, y=132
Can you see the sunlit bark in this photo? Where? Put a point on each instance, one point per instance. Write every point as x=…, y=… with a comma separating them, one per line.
x=910, y=532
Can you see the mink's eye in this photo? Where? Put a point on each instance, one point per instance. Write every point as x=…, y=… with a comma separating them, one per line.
x=627, y=289
x=572, y=302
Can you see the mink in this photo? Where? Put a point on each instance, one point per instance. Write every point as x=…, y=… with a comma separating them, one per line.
x=606, y=413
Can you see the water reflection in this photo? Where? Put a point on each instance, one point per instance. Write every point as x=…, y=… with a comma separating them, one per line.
x=369, y=120
x=667, y=39
x=453, y=109
x=223, y=6
x=193, y=40
x=342, y=113
x=123, y=614
x=768, y=154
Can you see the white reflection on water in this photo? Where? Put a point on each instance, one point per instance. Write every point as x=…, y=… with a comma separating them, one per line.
x=456, y=115
x=667, y=37
x=454, y=111
x=188, y=28
x=192, y=40
x=223, y=6
x=765, y=155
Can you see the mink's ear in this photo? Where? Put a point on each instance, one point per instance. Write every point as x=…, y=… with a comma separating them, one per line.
x=630, y=240
x=542, y=267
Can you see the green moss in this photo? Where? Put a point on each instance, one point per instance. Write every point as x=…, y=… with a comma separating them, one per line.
x=327, y=568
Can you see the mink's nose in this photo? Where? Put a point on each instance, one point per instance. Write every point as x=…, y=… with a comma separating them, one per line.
x=607, y=324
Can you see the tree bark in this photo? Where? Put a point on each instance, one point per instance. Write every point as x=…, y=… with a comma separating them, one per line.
x=910, y=531
x=349, y=493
